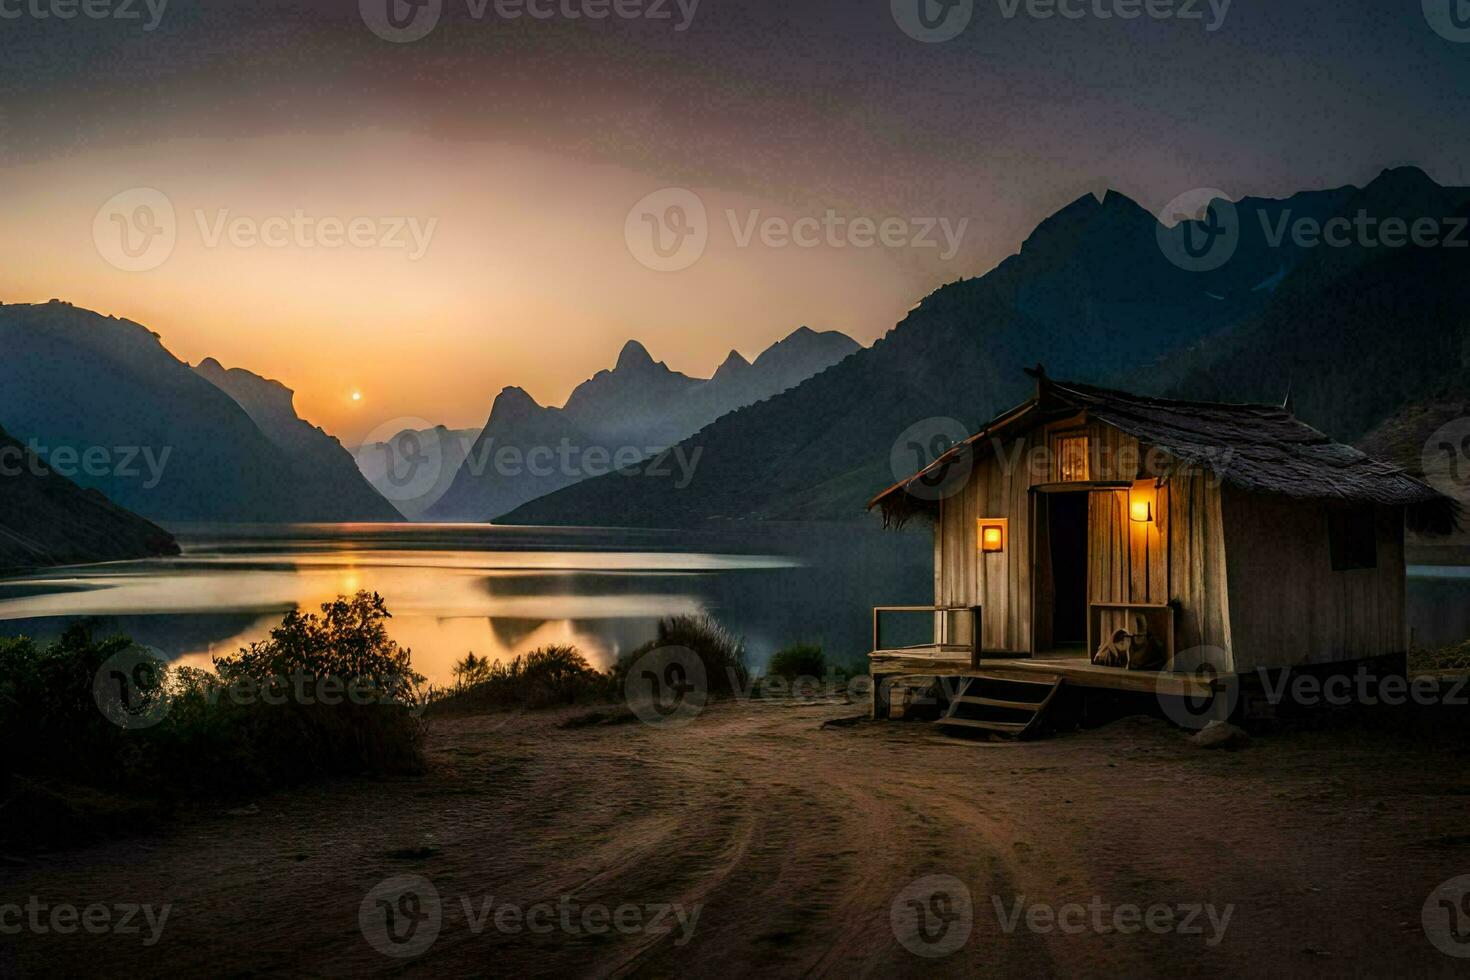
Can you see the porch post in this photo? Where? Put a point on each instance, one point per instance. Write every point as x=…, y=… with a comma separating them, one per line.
x=975, y=631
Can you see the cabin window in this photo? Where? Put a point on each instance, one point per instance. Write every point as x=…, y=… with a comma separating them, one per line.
x=1353, y=538
x=1071, y=456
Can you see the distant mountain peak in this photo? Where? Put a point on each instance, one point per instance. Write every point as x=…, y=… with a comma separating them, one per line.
x=513, y=396
x=634, y=357
x=1406, y=176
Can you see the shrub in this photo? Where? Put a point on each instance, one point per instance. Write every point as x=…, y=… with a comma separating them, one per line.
x=801, y=660
x=550, y=676
x=722, y=654
x=323, y=695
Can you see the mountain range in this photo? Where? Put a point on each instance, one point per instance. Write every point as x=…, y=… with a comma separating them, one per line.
x=1352, y=332
x=46, y=519
x=159, y=438
x=616, y=418
x=316, y=464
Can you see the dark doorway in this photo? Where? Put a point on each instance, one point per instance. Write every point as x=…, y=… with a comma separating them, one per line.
x=1067, y=526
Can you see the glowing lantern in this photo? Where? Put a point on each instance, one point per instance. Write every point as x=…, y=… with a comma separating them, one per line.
x=992, y=537
x=1141, y=502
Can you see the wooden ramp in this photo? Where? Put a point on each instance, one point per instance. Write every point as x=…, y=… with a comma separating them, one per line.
x=1015, y=707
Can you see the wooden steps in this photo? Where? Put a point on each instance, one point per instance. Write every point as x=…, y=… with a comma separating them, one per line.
x=1015, y=707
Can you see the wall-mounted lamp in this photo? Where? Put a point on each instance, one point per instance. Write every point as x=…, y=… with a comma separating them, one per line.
x=1141, y=502
x=992, y=536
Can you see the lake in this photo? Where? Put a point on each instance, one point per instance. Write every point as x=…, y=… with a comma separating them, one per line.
x=501, y=591
x=496, y=591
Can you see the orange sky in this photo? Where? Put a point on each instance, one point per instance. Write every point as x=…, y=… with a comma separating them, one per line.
x=526, y=279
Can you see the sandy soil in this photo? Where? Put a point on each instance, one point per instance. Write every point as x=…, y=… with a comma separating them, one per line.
x=794, y=840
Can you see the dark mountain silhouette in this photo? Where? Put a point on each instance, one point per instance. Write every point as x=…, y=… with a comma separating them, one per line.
x=319, y=467
x=163, y=441
x=1091, y=294
x=46, y=519
x=413, y=468
x=617, y=417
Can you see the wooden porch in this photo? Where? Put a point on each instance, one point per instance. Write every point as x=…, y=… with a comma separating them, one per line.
x=1075, y=670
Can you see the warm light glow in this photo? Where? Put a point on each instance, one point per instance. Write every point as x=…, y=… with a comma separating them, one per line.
x=992, y=536
x=357, y=396
x=1141, y=501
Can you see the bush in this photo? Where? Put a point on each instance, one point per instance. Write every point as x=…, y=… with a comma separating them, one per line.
x=551, y=676
x=324, y=695
x=722, y=654
x=1456, y=657
x=801, y=660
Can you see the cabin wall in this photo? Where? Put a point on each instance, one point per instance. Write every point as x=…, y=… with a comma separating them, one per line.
x=998, y=487
x=1287, y=605
x=1180, y=556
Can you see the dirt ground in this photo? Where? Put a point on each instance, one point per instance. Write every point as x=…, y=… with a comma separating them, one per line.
x=795, y=842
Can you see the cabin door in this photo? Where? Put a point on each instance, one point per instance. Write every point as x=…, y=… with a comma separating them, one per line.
x=1060, y=571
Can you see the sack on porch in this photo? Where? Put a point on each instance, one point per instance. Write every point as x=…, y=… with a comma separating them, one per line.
x=1138, y=650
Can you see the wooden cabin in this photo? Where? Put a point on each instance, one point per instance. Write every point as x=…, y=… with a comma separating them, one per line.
x=1236, y=537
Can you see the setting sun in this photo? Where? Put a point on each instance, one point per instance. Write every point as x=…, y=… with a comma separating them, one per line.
x=357, y=396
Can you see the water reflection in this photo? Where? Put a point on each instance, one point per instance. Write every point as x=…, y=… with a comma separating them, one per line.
x=495, y=591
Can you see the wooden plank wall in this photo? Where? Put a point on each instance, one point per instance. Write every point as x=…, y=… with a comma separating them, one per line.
x=1180, y=556
x=999, y=486
x=1288, y=606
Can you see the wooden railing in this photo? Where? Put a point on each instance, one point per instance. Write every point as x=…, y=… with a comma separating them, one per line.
x=940, y=646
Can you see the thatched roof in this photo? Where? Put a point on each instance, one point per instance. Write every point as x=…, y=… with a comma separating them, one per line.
x=1258, y=448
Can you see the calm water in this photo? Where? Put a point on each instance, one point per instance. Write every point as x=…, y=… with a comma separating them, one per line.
x=500, y=591
x=492, y=590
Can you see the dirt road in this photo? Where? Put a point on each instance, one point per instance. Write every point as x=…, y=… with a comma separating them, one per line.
x=776, y=846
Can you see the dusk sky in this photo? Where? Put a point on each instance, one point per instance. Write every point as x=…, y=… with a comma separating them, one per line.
x=505, y=156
